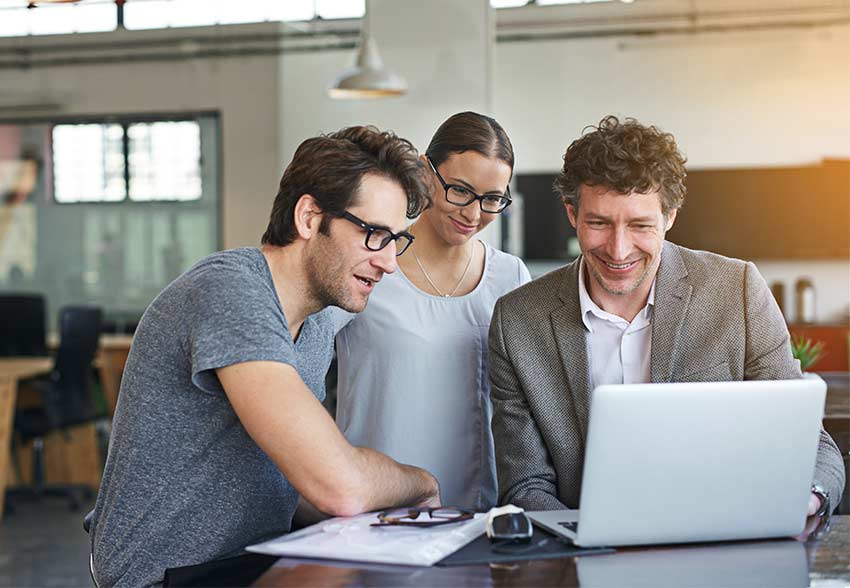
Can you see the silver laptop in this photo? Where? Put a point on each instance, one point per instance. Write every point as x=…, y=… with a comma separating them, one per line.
x=709, y=461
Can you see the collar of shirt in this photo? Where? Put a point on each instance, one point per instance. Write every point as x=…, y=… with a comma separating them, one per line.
x=588, y=306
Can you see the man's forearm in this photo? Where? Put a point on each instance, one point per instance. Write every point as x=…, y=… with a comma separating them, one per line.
x=386, y=483
x=297, y=433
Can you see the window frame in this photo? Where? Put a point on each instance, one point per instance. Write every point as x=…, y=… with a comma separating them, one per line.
x=124, y=121
x=200, y=203
x=119, y=12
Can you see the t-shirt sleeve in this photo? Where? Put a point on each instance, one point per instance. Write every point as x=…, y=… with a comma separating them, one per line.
x=233, y=317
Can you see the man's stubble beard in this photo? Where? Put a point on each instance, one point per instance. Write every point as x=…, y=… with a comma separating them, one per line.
x=599, y=280
x=327, y=278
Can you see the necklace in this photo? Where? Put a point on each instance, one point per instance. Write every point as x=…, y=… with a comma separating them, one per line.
x=459, y=282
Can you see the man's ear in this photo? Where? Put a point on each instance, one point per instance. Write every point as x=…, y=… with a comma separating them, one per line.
x=671, y=218
x=572, y=213
x=308, y=216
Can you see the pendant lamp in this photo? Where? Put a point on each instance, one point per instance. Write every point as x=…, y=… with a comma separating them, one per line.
x=368, y=78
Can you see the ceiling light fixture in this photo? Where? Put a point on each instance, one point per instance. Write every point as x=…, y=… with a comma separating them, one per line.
x=368, y=78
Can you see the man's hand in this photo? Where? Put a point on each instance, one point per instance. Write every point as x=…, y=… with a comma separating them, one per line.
x=433, y=498
x=815, y=503
x=813, y=523
x=433, y=502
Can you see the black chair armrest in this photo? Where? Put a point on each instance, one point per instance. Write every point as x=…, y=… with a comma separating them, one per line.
x=87, y=521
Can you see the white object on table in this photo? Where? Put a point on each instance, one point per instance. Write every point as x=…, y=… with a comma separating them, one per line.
x=353, y=539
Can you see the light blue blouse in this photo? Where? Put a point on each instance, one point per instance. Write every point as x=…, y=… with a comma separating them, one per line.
x=413, y=379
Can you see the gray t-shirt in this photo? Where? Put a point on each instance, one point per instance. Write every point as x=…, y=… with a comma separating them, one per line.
x=184, y=482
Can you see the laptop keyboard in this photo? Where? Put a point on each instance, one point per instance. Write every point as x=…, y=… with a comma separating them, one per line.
x=571, y=525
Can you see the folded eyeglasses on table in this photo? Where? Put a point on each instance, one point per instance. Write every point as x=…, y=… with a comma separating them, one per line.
x=423, y=517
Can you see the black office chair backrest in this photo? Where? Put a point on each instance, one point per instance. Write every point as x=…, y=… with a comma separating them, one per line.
x=22, y=324
x=68, y=401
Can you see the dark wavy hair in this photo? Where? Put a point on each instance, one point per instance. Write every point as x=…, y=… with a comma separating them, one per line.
x=470, y=131
x=330, y=168
x=626, y=157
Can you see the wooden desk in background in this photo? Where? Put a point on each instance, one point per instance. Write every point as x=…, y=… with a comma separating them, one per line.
x=71, y=456
x=13, y=369
x=112, y=352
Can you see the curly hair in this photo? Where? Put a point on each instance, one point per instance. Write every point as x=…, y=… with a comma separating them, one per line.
x=626, y=157
x=330, y=168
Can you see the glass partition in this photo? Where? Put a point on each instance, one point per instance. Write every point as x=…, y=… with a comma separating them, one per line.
x=106, y=212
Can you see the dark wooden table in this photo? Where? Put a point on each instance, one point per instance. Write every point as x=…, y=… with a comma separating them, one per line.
x=823, y=560
x=837, y=396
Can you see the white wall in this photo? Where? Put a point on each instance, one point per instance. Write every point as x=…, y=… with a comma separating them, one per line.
x=443, y=48
x=734, y=99
x=759, y=98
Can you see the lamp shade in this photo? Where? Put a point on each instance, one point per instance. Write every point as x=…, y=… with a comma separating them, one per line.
x=369, y=78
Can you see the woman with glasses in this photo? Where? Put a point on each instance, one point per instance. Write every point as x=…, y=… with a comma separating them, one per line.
x=413, y=366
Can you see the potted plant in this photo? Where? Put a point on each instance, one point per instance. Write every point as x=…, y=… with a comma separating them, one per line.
x=807, y=351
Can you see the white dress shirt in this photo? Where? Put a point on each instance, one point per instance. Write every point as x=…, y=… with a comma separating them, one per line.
x=617, y=350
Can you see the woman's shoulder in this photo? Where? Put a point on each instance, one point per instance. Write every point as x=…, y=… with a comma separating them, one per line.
x=506, y=268
x=498, y=256
x=391, y=298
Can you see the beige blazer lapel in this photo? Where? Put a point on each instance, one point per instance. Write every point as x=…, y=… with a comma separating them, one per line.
x=672, y=298
x=569, y=333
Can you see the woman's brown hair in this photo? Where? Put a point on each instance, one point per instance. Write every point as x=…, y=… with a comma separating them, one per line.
x=470, y=131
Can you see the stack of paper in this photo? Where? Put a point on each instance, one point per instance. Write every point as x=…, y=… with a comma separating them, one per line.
x=353, y=539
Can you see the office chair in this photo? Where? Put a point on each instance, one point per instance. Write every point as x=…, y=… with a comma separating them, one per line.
x=65, y=397
x=22, y=325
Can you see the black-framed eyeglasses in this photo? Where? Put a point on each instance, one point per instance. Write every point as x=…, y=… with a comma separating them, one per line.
x=379, y=237
x=461, y=195
x=431, y=517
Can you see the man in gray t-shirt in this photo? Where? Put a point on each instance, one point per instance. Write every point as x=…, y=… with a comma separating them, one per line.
x=219, y=426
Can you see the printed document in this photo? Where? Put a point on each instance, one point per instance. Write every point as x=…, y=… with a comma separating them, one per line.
x=354, y=539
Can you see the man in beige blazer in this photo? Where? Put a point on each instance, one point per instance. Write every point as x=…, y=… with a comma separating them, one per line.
x=633, y=308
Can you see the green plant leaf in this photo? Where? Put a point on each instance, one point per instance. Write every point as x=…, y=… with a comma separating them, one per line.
x=808, y=351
